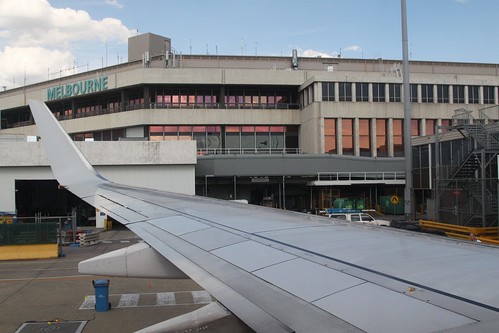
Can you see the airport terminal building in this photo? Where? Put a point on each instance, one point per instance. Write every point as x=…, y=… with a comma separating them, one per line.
x=288, y=132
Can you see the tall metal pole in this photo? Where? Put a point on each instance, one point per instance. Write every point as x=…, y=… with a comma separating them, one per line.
x=408, y=191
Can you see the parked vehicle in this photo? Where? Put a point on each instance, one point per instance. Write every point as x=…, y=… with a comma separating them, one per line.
x=360, y=217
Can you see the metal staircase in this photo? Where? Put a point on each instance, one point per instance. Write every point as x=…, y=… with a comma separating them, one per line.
x=468, y=167
x=469, y=196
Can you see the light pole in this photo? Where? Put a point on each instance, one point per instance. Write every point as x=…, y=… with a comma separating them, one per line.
x=408, y=191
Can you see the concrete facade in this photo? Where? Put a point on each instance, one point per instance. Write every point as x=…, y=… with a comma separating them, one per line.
x=234, y=94
x=166, y=166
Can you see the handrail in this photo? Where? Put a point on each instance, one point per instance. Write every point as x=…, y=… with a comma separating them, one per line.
x=384, y=175
x=247, y=151
x=166, y=106
x=485, y=113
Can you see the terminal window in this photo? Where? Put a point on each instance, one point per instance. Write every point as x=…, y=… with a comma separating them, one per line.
x=345, y=92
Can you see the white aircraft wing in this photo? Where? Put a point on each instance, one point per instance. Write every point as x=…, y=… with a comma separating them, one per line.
x=280, y=271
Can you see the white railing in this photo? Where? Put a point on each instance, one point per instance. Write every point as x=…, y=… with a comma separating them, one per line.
x=361, y=176
x=247, y=151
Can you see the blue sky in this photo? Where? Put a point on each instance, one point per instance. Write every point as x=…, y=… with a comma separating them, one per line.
x=83, y=34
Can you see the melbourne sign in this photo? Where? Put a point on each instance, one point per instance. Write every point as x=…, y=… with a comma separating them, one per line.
x=77, y=88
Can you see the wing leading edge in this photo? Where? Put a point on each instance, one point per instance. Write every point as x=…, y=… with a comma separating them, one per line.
x=280, y=271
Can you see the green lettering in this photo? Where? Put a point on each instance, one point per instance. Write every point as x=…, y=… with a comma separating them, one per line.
x=83, y=87
x=69, y=90
x=97, y=84
x=90, y=86
x=76, y=89
x=104, y=83
x=59, y=92
x=50, y=94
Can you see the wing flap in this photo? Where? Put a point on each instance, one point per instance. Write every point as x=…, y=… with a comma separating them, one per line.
x=262, y=306
x=251, y=314
x=406, y=314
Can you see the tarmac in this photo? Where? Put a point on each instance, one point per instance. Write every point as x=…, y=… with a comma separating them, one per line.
x=50, y=295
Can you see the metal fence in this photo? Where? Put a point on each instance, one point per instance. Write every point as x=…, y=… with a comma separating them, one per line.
x=28, y=233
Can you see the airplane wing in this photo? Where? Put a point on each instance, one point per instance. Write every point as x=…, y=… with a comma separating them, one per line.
x=280, y=271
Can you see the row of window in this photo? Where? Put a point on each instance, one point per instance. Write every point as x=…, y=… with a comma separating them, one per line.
x=161, y=97
x=231, y=138
x=348, y=134
x=225, y=98
x=285, y=138
x=419, y=93
x=109, y=135
x=214, y=138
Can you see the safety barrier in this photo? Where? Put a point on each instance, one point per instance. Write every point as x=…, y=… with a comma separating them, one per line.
x=28, y=233
x=28, y=241
x=486, y=235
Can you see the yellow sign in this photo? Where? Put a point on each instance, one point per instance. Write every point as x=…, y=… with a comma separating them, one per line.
x=395, y=200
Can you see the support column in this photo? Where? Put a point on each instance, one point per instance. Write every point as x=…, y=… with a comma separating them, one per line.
x=147, y=98
x=122, y=101
x=356, y=137
x=221, y=97
x=389, y=139
x=74, y=108
x=339, y=136
x=372, y=137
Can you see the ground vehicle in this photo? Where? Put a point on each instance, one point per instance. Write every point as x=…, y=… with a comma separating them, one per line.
x=359, y=217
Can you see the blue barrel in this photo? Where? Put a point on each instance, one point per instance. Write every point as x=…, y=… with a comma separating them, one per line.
x=101, y=295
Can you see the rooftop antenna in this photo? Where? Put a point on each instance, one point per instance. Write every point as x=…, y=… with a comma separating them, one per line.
x=294, y=59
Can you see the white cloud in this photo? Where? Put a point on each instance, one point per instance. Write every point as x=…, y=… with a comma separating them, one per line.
x=34, y=61
x=35, y=37
x=316, y=54
x=114, y=3
x=354, y=48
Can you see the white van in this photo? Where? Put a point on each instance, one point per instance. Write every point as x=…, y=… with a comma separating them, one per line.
x=359, y=217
